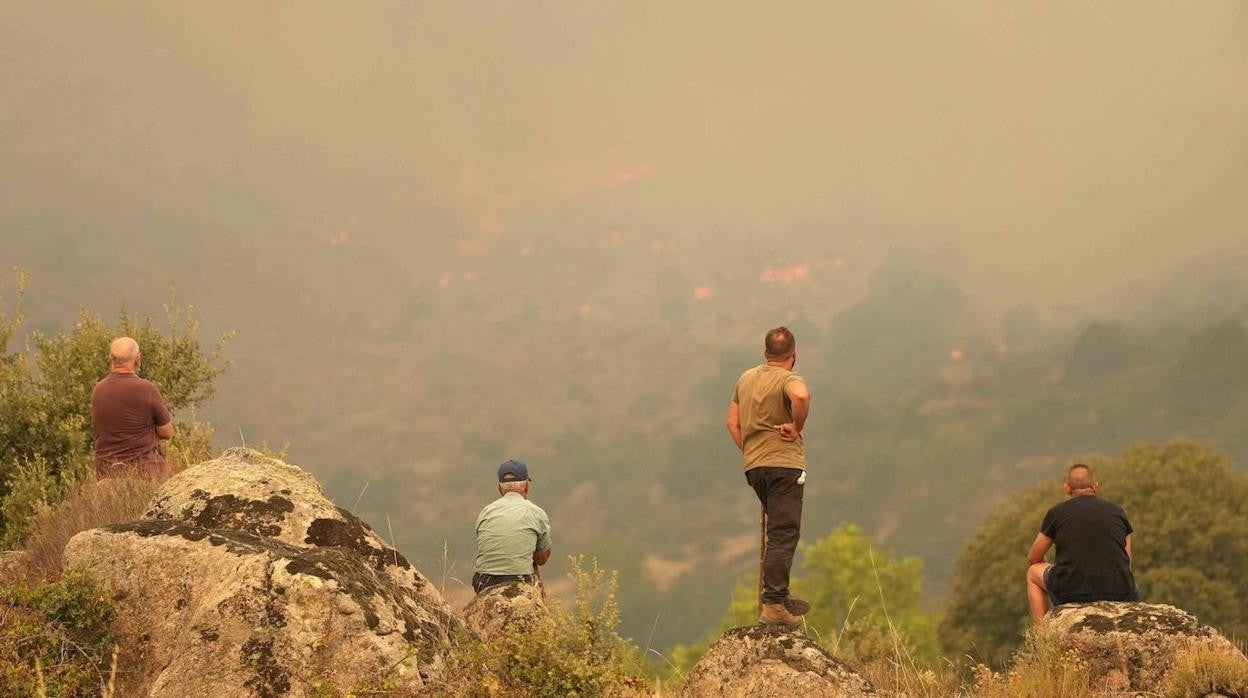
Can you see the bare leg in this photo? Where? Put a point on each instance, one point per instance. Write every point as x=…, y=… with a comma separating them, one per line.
x=1037, y=597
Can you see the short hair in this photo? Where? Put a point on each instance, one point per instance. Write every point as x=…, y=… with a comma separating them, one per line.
x=1080, y=477
x=131, y=351
x=515, y=486
x=779, y=343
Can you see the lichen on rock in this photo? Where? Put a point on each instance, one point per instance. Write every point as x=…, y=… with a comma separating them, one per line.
x=761, y=660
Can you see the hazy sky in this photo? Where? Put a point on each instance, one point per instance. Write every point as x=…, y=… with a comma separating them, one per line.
x=1051, y=143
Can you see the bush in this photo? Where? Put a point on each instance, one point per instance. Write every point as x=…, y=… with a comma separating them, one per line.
x=55, y=638
x=1204, y=670
x=33, y=487
x=572, y=652
x=45, y=400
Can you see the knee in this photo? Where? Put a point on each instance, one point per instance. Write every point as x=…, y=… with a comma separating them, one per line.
x=1035, y=573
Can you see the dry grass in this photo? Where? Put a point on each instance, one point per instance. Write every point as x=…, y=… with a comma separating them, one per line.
x=86, y=506
x=1204, y=669
x=1042, y=668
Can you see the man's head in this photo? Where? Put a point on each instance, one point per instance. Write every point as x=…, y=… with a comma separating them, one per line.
x=1080, y=481
x=513, y=476
x=123, y=354
x=780, y=347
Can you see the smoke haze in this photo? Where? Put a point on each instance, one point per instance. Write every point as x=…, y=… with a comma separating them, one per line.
x=448, y=233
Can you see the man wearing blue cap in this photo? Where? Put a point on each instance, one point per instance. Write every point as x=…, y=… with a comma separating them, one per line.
x=513, y=534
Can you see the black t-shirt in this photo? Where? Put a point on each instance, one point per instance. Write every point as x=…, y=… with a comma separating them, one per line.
x=1092, y=564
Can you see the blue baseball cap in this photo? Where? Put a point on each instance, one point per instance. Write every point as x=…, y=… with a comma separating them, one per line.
x=513, y=471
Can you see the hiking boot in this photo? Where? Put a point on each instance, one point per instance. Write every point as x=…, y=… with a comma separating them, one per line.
x=777, y=614
x=797, y=606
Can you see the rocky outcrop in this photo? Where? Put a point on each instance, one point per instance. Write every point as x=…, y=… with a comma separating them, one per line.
x=1128, y=647
x=760, y=660
x=505, y=606
x=244, y=579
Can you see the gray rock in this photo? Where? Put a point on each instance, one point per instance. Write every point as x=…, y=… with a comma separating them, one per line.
x=1129, y=647
x=760, y=660
x=506, y=606
x=244, y=579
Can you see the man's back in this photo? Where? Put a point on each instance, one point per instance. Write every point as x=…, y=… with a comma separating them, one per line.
x=125, y=411
x=509, y=531
x=762, y=403
x=1092, y=562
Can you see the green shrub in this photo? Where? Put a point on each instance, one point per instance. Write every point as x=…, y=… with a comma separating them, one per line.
x=572, y=652
x=33, y=487
x=55, y=638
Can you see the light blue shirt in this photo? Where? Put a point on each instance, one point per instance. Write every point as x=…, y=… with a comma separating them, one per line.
x=509, y=531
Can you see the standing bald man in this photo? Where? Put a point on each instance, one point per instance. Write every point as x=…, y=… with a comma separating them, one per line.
x=128, y=418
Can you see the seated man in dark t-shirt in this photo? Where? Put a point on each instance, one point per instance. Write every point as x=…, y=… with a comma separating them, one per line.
x=1093, y=539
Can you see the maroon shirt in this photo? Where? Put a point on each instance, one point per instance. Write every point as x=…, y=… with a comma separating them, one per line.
x=125, y=411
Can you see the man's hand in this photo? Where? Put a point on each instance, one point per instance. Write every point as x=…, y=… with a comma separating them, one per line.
x=541, y=557
x=788, y=432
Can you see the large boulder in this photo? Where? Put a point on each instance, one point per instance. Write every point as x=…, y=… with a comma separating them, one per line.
x=506, y=606
x=760, y=660
x=1129, y=647
x=245, y=580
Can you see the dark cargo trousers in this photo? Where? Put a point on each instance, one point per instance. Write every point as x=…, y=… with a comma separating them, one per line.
x=781, y=497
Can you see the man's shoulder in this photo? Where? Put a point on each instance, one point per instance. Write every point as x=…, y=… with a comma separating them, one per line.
x=125, y=381
x=494, y=504
x=748, y=373
x=528, y=503
x=1108, y=506
x=1086, y=503
x=1058, y=508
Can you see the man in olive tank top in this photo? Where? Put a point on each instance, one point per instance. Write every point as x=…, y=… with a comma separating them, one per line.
x=766, y=418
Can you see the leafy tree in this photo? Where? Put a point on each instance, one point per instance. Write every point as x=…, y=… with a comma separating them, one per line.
x=847, y=578
x=45, y=397
x=1191, y=546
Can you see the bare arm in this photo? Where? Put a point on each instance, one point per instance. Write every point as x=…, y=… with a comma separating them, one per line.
x=541, y=557
x=1038, y=548
x=799, y=398
x=165, y=431
x=1130, y=549
x=799, y=401
x=734, y=425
